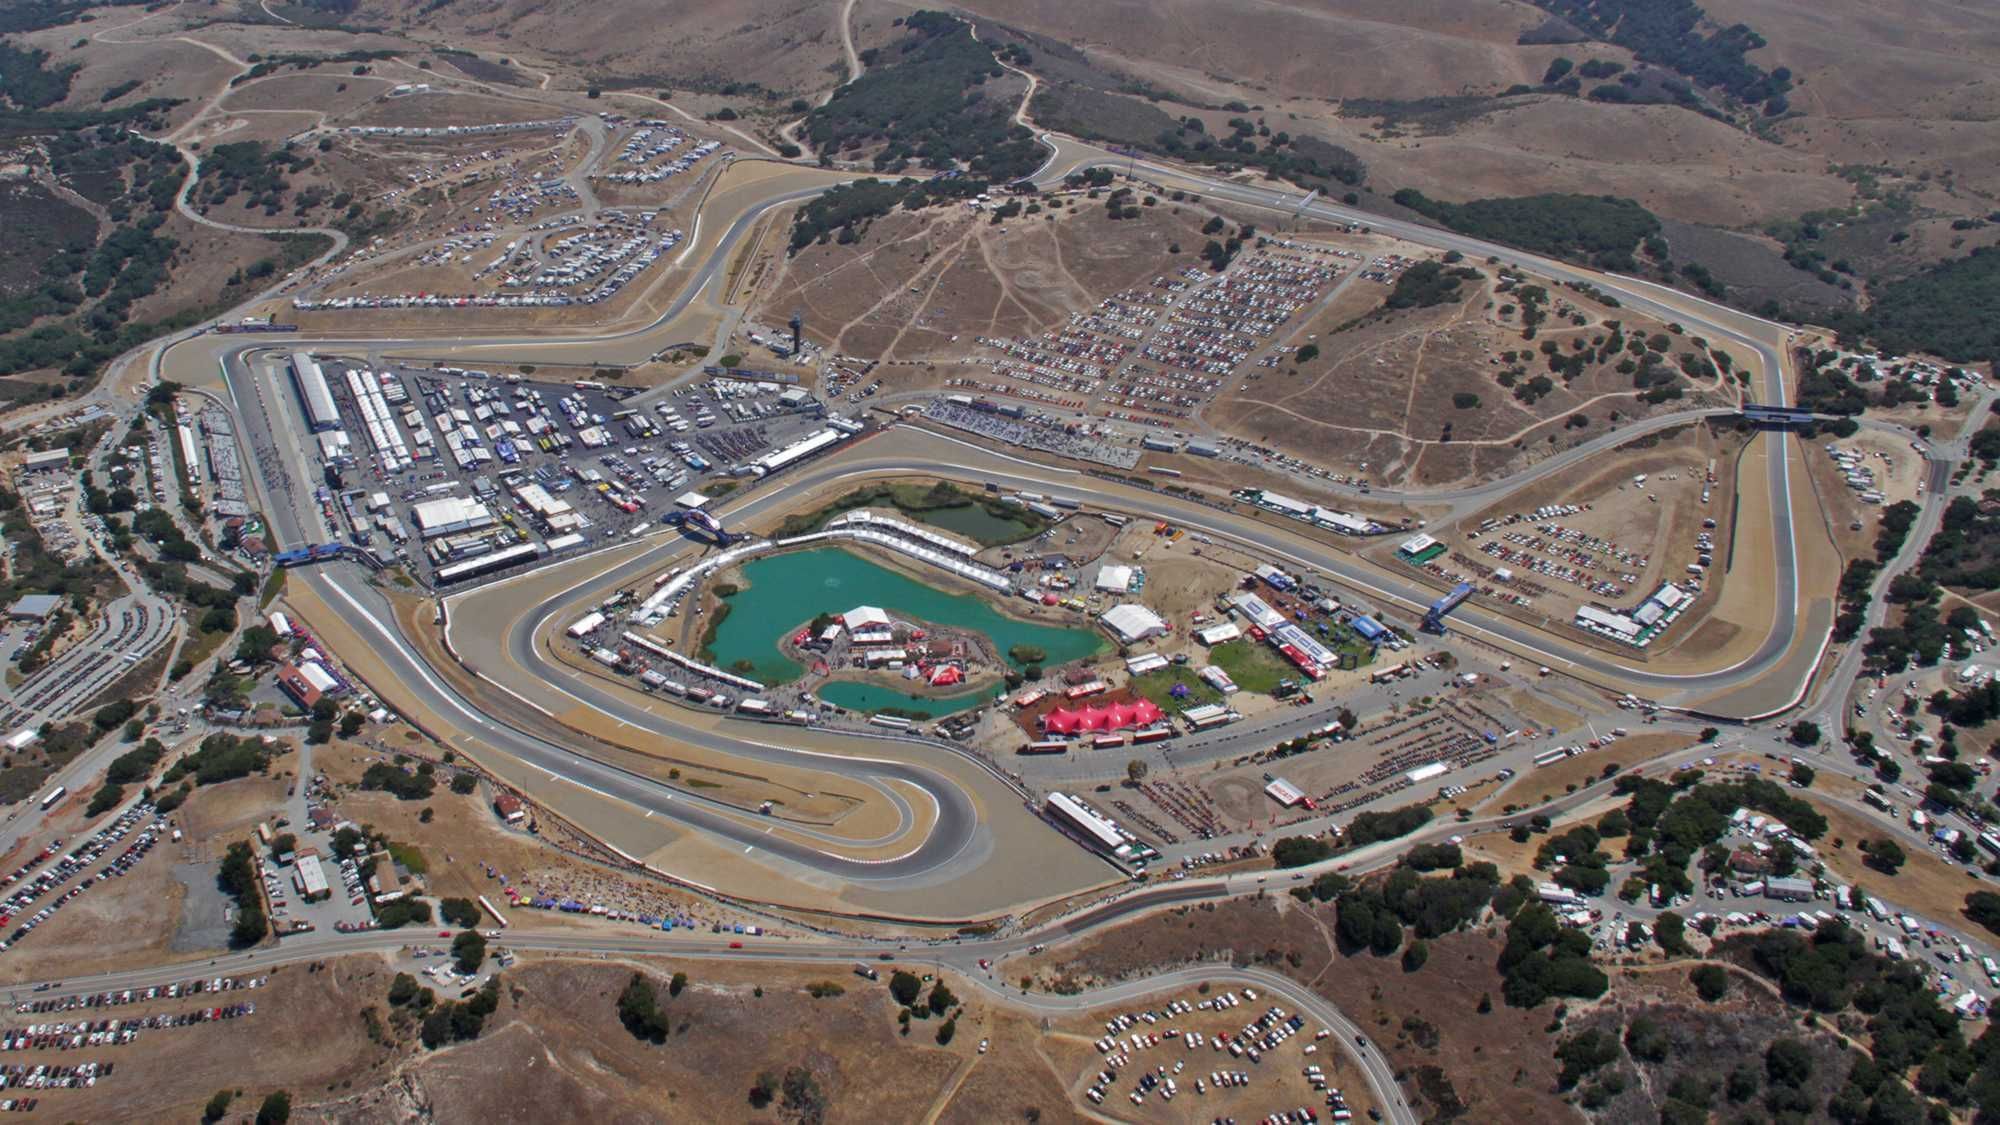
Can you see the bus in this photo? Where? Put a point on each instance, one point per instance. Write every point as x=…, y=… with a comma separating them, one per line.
x=56, y=794
x=1046, y=746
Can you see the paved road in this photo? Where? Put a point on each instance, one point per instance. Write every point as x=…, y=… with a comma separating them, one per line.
x=343, y=588
x=955, y=825
x=1711, y=320
x=977, y=464
x=942, y=852
x=129, y=629
x=959, y=957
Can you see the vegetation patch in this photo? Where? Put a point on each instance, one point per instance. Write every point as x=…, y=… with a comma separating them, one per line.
x=1951, y=309
x=1673, y=34
x=923, y=101
x=842, y=214
x=1433, y=115
x=923, y=503
x=1600, y=229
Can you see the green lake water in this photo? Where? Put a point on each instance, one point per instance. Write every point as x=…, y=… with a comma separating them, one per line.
x=974, y=522
x=784, y=592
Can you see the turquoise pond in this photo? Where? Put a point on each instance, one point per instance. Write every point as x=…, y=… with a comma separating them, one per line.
x=783, y=592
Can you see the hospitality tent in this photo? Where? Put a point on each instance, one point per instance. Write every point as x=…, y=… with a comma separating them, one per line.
x=1102, y=717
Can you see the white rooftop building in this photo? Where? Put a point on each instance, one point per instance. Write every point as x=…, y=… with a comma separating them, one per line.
x=863, y=619
x=1131, y=623
x=1112, y=578
x=449, y=514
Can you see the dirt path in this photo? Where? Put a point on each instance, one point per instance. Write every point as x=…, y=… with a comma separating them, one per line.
x=847, y=41
x=951, y=1085
x=889, y=292
x=1056, y=256
x=944, y=262
x=177, y=138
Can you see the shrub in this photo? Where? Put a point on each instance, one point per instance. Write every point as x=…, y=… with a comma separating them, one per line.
x=468, y=950
x=1297, y=851
x=639, y=1010
x=276, y=1110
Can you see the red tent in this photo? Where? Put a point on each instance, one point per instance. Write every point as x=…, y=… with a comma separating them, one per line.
x=1101, y=717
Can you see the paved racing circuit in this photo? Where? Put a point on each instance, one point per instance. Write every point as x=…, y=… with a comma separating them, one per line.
x=957, y=826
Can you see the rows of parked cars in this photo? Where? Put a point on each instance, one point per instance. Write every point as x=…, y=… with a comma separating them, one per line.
x=1130, y=1034
x=195, y=987
x=67, y=1035
x=47, y=1077
x=76, y=863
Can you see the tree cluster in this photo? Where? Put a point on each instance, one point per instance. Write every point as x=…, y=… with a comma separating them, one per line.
x=1599, y=229
x=237, y=877
x=457, y=1021
x=639, y=1010
x=1428, y=283
x=927, y=103
x=1544, y=959
x=1674, y=34
x=843, y=213
x=221, y=757
x=404, y=784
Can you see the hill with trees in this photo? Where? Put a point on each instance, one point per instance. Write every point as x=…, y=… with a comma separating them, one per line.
x=1599, y=229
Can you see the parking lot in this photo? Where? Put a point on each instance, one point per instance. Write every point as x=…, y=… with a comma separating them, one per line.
x=464, y=473
x=565, y=262
x=1154, y=355
x=1228, y=1056
x=55, y=878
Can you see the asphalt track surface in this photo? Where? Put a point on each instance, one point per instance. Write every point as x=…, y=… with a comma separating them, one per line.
x=347, y=592
x=1721, y=324
x=979, y=465
x=957, y=822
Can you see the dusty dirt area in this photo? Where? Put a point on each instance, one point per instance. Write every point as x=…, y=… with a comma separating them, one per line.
x=1896, y=471
x=131, y=920
x=468, y=850
x=1277, y=1081
x=307, y=1036
x=1432, y=396
x=921, y=286
x=1536, y=786
x=118, y=923
x=555, y=1048
x=1339, y=774
x=1630, y=537
x=1499, y=1064
x=1866, y=88
x=205, y=260
x=218, y=815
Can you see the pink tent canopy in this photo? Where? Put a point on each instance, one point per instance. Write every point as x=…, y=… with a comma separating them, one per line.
x=1101, y=717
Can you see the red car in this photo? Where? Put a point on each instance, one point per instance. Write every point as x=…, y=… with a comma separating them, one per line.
x=444, y=933
x=735, y=945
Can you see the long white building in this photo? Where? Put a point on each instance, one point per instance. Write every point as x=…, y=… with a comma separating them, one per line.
x=314, y=395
